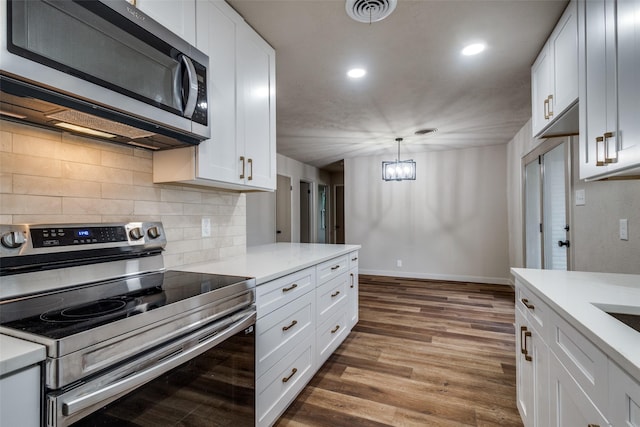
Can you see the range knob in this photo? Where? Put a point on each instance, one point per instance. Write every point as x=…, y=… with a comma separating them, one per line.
x=153, y=232
x=13, y=239
x=136, y=233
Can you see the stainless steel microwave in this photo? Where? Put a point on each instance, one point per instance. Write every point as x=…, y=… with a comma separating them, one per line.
x=103, y=68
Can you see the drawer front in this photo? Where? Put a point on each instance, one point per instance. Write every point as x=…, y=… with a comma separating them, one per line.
x=280, y=331
x=275, y=294
x=584, y=361
x=536, y=311
x=332, y=268
x=353, y=260
x=331, y=334
x=330, y=297
x=281, y=384
x=624, y=398
x=570, y=406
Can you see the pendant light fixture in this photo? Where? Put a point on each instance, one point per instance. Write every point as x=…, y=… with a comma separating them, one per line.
x=399, y=170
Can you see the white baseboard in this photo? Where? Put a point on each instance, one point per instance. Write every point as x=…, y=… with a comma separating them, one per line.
x=454, y=278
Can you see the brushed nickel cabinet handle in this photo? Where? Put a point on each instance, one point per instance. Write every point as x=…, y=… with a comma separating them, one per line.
x=242, y=160
x=599, y=162
x=291, y=325
x=522, y=330
x=526, y=304
x=250, y=161
x=293, y=372
x=333, y=331
x=545, y=108
x=353, y=279
x=609, y=159
x=290, y=288
x=550, y=105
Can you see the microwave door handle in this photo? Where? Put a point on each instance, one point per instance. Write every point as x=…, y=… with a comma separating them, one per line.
x=191, y=87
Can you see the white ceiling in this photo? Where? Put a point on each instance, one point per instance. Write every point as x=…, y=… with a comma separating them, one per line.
x=416, y=77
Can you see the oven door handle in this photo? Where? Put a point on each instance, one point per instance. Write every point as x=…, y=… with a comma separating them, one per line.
x=192, y=346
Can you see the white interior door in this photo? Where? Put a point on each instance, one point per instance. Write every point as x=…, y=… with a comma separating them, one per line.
x=533, y=215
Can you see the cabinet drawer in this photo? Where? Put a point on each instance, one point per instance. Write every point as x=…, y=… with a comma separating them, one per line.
x=332, y=268
x=330, y=296
x=331, y=334
x=624, y=398
x=584, y=361
x=536, y=311
x=275, y=294
x=570, y=405
x=280, y=331
x=353, y=260
x=281, y=384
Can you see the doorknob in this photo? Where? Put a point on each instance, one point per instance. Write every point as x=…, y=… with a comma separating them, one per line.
x=565, y=243
x=278, y=231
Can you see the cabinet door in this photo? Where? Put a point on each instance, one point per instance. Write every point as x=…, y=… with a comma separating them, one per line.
x=256, y=107
x=564, y=47
x=532, y=370
x=20, y=398
x=570, y=406
x=540, y=90
x=624, y=398
x=217, y=158
x=177, y=16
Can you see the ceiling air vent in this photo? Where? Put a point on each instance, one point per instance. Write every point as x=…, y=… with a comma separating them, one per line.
x=369, y=11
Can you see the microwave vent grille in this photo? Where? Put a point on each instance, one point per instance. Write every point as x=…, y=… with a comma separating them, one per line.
x=97, y=123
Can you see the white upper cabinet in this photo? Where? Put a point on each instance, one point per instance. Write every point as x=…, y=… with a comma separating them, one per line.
x=177, y=16
x=609, y=88
x=554, y=83
x=241, y=154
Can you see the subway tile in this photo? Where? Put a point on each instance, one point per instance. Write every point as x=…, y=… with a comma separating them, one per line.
x=144, y=179
x=27, y=204
x=6, y=219
x=131, y=192
x=26, y=184
x=33, y=131
x=200, y=209
x=6, y=182
x=95, y=173
x=143, y=207
x=6, y=140
x=76, y=205
x=36, y=146
x=126, y=161
x=178, y=221
x=185, y=196
x=56, y=219
x=29, y=165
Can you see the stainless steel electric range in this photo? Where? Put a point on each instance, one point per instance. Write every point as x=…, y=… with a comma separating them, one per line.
x=128, y=342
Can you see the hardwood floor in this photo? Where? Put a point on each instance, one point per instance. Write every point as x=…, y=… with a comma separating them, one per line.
x=424, y=353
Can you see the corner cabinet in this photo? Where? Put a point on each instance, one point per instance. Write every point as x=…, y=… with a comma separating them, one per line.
x=241, y=154
x=177, y=16
x=554, y=88
x=609, y=88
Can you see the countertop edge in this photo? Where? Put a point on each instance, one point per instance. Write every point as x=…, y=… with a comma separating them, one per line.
x=16, y=354
x=602, y=343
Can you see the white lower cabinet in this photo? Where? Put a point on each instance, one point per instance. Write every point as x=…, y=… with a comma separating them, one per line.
x=302, y=319
x=20, y=398
x=569, y=380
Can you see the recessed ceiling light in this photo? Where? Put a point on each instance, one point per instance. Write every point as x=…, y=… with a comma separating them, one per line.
x=473, y=49
x=356, y=73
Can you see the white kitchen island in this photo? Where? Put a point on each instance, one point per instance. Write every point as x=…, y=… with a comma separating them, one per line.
x=307, y=303
x=576, y=364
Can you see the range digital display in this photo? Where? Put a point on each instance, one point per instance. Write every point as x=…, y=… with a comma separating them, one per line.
x=83, y=233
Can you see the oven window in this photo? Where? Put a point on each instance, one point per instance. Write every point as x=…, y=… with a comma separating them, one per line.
x=213, y=389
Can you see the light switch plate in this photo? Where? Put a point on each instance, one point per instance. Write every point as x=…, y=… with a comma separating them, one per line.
x=580, y=197
x=624, y=229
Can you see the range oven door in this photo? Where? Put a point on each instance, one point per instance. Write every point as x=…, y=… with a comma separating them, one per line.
x=206, y=378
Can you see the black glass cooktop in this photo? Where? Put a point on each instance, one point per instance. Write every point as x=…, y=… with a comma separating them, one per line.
x=60, y=314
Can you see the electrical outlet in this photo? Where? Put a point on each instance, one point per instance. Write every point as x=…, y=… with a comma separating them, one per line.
x=206, y=227
x=399, y=263
x=624, y=229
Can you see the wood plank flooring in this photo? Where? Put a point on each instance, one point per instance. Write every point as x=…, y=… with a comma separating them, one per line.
x=424, y=353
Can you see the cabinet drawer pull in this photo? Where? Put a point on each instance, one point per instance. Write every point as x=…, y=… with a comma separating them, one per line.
x=353, y=277
x=550, y=106
x=526, y=351
x=335, y=268
x=291, y=325
x=250, y=161
x=242, y=160
x=293, y=372
x=334, y=330
x=593, y=425
x=545, y=107
x=526, y=304
x=522, y=330
x=354, y=259
x=290, y=288
x=335, y=294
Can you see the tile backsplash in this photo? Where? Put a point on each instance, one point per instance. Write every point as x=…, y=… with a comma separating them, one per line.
x=54, y=177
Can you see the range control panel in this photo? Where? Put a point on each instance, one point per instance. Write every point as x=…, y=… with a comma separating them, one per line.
x=68, y=236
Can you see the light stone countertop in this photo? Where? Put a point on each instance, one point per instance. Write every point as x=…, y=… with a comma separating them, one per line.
x=572, y=294
x=16, y=354
x=268, y=262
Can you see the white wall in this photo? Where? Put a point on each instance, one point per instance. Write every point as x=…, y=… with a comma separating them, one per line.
x=261, y=213
x=451, y=223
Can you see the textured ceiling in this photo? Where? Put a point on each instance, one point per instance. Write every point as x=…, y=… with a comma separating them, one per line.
x=416, y=76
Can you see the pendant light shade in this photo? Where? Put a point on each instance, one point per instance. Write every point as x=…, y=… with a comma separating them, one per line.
x=399, y=170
